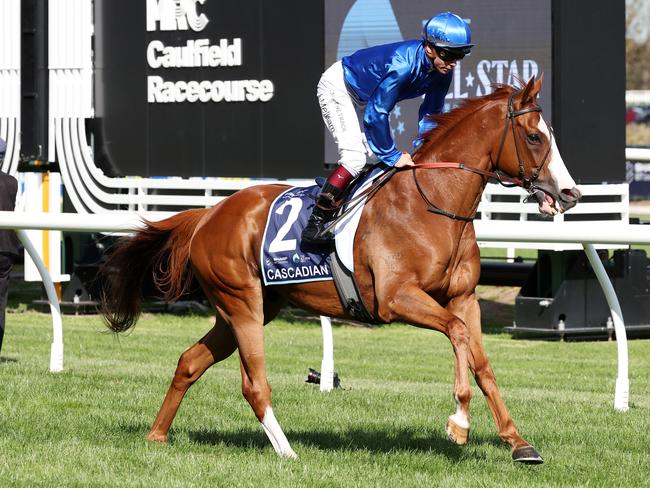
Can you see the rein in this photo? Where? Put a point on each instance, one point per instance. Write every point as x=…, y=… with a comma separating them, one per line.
x=381, y=180
x=497, y=175
x=431, y=207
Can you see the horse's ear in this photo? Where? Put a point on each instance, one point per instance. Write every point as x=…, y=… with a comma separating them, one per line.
x=526, y=93
x=531, y=90
x=538, y=84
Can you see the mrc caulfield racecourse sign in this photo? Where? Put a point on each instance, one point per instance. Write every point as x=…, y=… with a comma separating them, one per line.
x=208, y=87
x=171, y=15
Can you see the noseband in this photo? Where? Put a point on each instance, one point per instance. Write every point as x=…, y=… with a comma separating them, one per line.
x=511, y=115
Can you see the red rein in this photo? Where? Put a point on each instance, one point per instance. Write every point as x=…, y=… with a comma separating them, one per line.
x=471, y=169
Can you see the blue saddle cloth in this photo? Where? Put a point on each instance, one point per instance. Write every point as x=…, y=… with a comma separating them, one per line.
x=284, y=258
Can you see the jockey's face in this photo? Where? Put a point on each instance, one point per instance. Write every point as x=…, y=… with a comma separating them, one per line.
x=439, y=64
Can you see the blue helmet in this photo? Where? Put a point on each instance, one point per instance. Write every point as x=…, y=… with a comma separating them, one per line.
x=448, y=30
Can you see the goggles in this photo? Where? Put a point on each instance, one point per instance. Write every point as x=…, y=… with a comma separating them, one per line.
x=450, y=55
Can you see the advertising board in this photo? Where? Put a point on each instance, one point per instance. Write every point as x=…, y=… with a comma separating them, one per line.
x=208, y=88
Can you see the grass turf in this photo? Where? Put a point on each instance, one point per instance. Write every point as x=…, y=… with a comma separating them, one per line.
x=87, y=425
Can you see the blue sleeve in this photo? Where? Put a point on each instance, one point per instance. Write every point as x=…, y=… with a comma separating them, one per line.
x=433, y=104
x=376, y=119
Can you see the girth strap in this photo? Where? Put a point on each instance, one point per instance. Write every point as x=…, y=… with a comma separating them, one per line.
x=348, y=290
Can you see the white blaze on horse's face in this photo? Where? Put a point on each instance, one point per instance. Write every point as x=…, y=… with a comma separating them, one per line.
x=561, y=182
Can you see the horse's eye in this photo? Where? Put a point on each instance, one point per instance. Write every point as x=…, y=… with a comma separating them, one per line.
x=533, y=138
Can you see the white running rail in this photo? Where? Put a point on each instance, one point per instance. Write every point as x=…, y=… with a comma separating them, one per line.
x=584, y=233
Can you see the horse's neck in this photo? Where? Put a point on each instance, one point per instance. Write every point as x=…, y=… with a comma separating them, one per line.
x=458, y=190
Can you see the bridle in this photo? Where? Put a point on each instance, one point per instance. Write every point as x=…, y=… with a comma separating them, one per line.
x=511, y=115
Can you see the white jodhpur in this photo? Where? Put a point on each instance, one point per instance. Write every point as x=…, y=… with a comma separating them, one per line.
x=341, y=115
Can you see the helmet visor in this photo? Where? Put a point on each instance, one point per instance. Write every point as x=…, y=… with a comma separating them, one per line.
x=450, y=55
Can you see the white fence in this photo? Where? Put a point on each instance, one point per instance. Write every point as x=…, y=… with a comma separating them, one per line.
x=492, y=207
x=584, y=233
x=637, y=97
x=609, y=204
x=637, y=154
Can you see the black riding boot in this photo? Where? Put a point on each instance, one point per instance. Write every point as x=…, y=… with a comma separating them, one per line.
x=326, y=206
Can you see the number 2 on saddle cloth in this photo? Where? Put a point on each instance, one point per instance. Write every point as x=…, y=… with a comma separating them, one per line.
x=284, y=258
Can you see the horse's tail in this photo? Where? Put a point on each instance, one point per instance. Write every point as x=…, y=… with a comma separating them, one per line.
x=161, y=248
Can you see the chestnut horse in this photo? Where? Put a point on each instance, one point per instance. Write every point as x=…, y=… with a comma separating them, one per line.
x=432, y=286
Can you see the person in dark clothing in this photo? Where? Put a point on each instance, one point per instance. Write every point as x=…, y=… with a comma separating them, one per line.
x=9, y=245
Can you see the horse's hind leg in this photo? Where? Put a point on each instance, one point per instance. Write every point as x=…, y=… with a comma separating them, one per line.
x=249, y=332
x=218, y=344
x=468, y=309
x=267, y=419
x=226, y=269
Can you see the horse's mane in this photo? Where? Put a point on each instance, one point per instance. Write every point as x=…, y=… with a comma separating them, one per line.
x=468, y=106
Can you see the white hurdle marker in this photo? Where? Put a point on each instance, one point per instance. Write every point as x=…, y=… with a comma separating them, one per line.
x=327, y=364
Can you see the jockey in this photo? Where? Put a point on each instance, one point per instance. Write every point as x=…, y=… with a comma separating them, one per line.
x=374, y=80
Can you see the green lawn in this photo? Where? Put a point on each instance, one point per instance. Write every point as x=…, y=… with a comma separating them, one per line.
x=87, y=425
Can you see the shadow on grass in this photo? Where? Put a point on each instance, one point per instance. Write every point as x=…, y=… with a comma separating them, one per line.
x=5, y=359
x=404, y=440
x=389, y=441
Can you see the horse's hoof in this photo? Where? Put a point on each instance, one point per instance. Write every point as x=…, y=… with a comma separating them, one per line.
x=527, y=455
x=152, y=437
x=456, y=433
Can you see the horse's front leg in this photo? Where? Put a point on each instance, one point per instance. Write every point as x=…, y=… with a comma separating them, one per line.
x=468, y=309
x=411, y=304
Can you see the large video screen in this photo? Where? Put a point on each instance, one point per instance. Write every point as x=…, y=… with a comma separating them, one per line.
x=208, y=87
x=512, y=37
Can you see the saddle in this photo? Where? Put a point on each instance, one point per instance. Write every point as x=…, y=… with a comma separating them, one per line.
x=341, y=259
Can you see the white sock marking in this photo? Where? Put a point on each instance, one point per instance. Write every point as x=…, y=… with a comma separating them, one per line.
x=459, y=418
x=276, y=436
